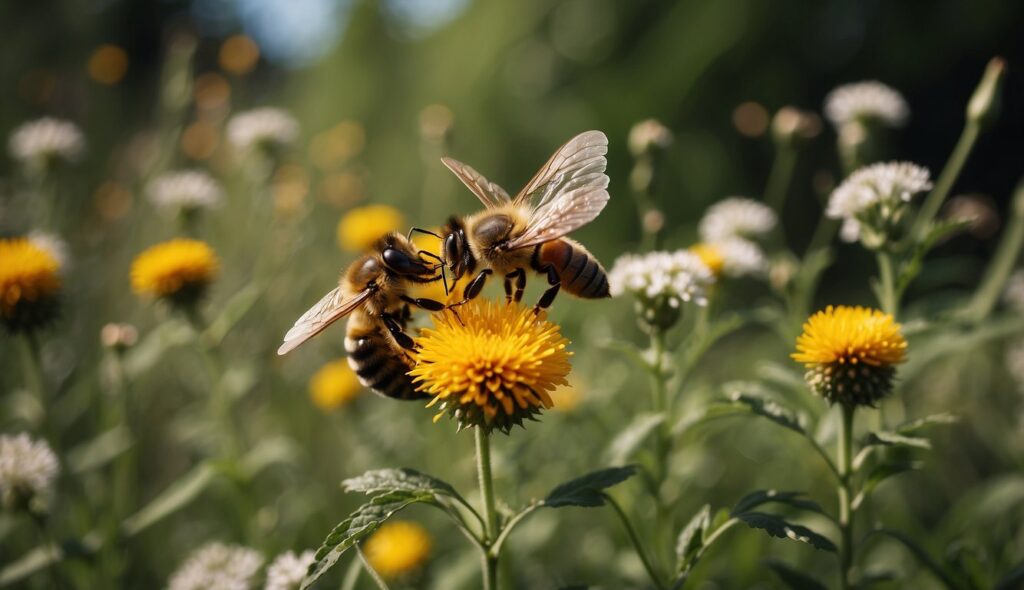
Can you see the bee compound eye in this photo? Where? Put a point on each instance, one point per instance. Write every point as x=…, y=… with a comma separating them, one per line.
x=451, y=249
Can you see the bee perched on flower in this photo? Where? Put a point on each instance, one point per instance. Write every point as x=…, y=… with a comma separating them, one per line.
x=491, y=365
x=661, y=282
x=28, y=469
x=178, y=271
x=398, y=548
x=40, y=144
x=873, y=201
x=29, y=285
x=851, y=354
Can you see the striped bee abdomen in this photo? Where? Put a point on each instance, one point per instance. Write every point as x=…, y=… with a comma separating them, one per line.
x=580, y=273
x=378, y=361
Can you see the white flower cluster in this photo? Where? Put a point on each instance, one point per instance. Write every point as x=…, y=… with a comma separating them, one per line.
x=866, y=100
x=46, y=138
x=1013, y=293
x=879, y=190
x=741, y=257
x=218, y=566
x=52, y=244
x=288, y=570
x=736, y=217
x=27, y=468
x=185, y=189
x=262, y=126
x=674, y=277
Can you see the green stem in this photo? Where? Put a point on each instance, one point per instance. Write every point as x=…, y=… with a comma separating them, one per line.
x=635, y=539
x=352, y=575
x=888, y=297
x=845, y=492
x=220, y=403
x=931, y=205
x=46, y=540
x=780, y=177
x=1002, y=264
x=483, y=464
x=377, y=579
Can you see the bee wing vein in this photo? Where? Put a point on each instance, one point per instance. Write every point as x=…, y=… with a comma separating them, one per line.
x=331, y=307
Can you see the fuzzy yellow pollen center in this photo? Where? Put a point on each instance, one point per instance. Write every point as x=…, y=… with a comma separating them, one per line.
x=851, y=336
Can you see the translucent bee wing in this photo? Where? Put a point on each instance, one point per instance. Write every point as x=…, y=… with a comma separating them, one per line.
x=572, y=189
x=577, y=163
x=331, y=308
x=489, y=193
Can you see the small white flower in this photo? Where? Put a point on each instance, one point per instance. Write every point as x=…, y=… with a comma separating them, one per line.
x=185, y=189
x=741, y=258
x=262, y=126
x=647, y=135
x=216, y=566
x=52, y=244
x=287, y=571
x=46, y=138
x=27, y=468
x=673, y=276
x=866, y=100
x=1013, y=294
x=880, y=189
x=736, y=217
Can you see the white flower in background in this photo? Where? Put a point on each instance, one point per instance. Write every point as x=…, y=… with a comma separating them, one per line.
x=733, y=258
x=648, y=135
x=185, y=189
x=218, y=566
x=262, y=126
x=866, y=100
x=736, y=217
x=1015, y=362
x=875, y=194
x=287, y=571
x=46, y=138
x=1013, y=294
x=27, y=469
x=674, y=277
x=52, y=244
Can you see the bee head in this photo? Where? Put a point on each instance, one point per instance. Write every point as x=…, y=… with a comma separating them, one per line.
x=400, y=258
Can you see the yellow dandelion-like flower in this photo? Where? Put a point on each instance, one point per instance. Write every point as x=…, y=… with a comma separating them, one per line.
x=491, y=365
x=178, y=270
x=568, y=397
x=398, y=547
x=850, y=354
x=334, y=385
x=710, y=256
x=362, y=226
x=29, y=284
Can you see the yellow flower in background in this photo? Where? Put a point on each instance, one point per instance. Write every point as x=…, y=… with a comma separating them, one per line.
x=568, y=397
x=710, y=256
x=29, y=283
x=398, y=547
x=492, y=365
x=178, y=270
x=362, y=226
x=334, y=385
x=850, y=353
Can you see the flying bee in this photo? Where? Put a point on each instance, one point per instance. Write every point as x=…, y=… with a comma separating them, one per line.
x=372, y=292
x=512, y=235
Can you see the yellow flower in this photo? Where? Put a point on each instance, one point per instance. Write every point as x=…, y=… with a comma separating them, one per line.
x=850, y=353
x=29, y=283
x=568, y=397
x=362, y=226
x=491, y=365
x=178, y=270
x=334, y=385
x=398, y=547
x=710, y=256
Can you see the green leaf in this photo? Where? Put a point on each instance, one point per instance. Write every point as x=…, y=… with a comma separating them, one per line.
x=632, y=437
x=792, y=578
x=174, y=497
x=234, y=310
x=100, y=450
x=398, y=480
x=747, y=404
x=363, y=521
x=152, y=348
x=892, y=439
x=691, y=538
x=914, y=426
x=920, y=554
x=761, y=497
x=879, y=474
x=587, y=490
x=776, y=526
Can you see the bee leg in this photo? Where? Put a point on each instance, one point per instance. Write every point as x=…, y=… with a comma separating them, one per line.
x=549, y=296
x=519, y=275
x=403, y=339
x=427, y=304
x=473, y=288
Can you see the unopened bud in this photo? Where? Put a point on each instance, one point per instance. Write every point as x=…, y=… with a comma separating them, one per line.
x=119, y=336
x=653, y=221
x=986, y=102
x=792, y=126
x=647, y=136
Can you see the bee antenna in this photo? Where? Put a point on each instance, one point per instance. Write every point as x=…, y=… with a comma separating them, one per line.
x=422, y=231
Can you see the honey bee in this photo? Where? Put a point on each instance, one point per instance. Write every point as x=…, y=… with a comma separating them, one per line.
x=528, y=231
x=372, y=292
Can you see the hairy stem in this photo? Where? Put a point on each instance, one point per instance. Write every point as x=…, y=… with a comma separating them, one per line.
x=483, y=465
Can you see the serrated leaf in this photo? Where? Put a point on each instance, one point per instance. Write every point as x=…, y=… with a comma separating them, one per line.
x=761, y=497
x=792, y=578
x=632, y=437
x=691, y=538
x=879, y=474
x=914, y=426
x=587, y=490
x=892, y=439
x=405, y=479
x=747, y=404
x=777, y=526
x=363, y=521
